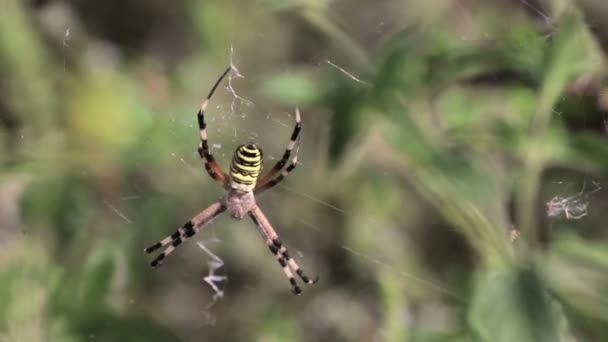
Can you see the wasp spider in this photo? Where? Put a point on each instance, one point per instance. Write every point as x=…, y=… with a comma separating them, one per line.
x=241, y=184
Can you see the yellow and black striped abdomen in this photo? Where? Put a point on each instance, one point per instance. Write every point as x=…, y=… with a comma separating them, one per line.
x=245, y=167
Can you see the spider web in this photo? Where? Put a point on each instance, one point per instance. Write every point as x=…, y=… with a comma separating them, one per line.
x=231, y=107
x=234, y=118
x=214, y=263
x=572, y=206
x=289, y=191
x=228, y=118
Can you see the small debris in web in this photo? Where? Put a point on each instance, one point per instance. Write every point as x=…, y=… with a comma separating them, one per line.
x=573, y=207
x=212, y=279
x=235, y=95
x=514, y=234
x=117, y=212
x=66, y=37
x=353, y=77
x=66, y=46
x=235, y=73
x=548, y=23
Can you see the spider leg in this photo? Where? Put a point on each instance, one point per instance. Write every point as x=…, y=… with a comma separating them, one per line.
x=214, y=170
x=185, y=231
x=295, y=288
x=281, y=163
x=265, y=186
x=279, y=250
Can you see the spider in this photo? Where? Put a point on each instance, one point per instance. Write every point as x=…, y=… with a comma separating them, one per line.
x=573, y=207
x=241, y=184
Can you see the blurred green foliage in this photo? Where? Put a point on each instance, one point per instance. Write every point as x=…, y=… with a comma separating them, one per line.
x=435, y=135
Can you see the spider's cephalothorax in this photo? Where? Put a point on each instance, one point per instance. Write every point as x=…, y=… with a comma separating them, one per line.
x=245, y=167
x=242, y=183
x=238, y=203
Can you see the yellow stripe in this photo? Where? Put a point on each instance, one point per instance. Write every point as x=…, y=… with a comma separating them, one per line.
x=249, y=168
x=248, y=159
x=240, y=165
x=245, y=168
x=245, y=179
x=238, y=174
x=245, y=149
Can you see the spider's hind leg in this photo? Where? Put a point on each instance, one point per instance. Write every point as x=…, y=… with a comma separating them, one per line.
x=175, y=239
x=185, y=231
x=295, y=288
x=282, y=251
x=279, y=250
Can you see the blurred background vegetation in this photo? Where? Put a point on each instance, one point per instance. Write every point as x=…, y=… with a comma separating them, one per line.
x=449, y=187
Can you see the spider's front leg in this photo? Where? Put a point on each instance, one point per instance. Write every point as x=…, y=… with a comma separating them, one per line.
x=214, y=170
x=269, y=180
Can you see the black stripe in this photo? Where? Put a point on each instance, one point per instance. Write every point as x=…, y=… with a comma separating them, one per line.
x=189, y=229
x=248, y=154
x=271, y=184
x=286, y=255
x=245, y=162
x=282, y=262
x=242, y=162
x=280, y=177
x=296, y=289
x=273, y=249
x=283, y=160
x=210, y=170
x=201, y=120
x=303, y=276
x=156, y=246
x=243, y=173
x=296, y=131
x=158, y=259
x=236, y=169
x=236, y=180
x=217, y=83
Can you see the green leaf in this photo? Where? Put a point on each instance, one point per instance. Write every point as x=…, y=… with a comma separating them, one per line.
x=572, y=53
x=577, y=271
x=513, y=306
x=97, y=278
